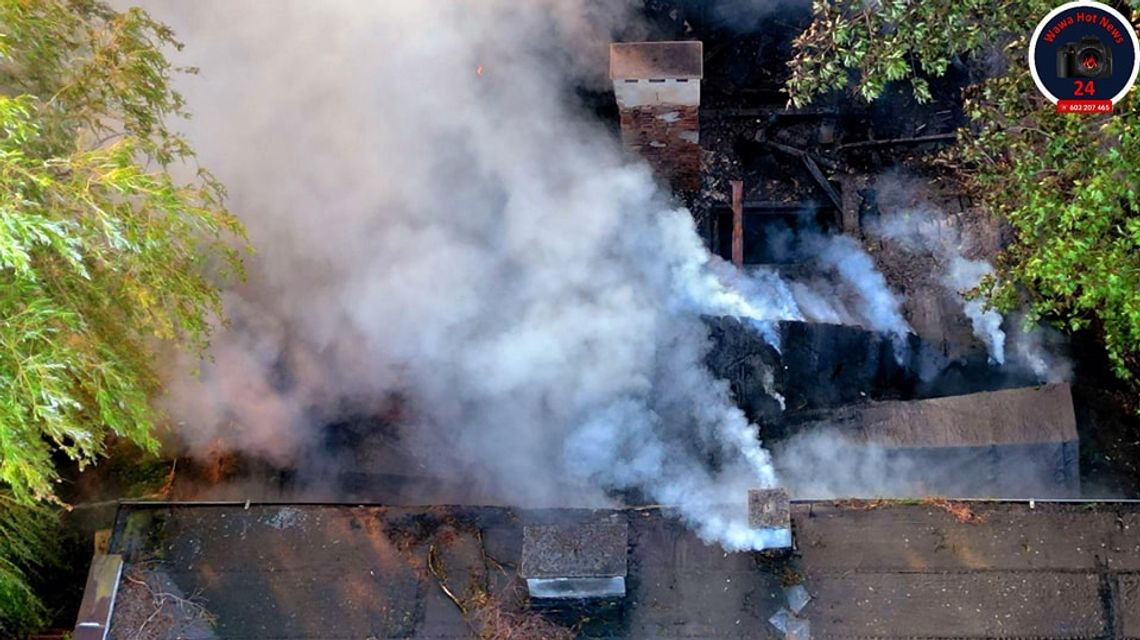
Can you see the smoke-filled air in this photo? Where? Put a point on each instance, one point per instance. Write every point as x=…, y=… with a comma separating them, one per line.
x=435, y=221
x=546, y=319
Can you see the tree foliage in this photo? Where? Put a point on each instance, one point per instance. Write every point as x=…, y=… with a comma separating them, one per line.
x=898, y=40
x=1067, y=184
x=28, y=544
x=104, y=253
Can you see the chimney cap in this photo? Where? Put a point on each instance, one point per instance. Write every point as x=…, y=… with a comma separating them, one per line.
x=672, y=60
x=769, y=509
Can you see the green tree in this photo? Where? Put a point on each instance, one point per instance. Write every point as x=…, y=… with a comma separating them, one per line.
x=112, y=242
x=103, y=252
x=29, y=544
x=1069, y=185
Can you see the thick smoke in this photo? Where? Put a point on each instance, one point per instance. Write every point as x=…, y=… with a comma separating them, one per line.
x=435, y=223
x=846, y=287
x=878, y=305
x=445, y=240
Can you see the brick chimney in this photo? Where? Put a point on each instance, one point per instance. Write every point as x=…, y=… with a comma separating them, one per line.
x=658, y=89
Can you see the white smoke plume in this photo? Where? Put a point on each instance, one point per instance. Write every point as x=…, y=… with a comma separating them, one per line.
x=878, y=305
x=1037, y=347
x=847, y=288
x=963, y=275
x=435, y=221
x=920, y=232
x=1032, y=349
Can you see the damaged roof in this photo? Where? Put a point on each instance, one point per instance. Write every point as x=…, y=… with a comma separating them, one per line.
x=872, y=570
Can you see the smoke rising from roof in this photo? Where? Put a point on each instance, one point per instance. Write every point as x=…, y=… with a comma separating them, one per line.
x=878, y=305
x=438, y=224
x=963, y=275
x=1032, y=350
x=465, y=241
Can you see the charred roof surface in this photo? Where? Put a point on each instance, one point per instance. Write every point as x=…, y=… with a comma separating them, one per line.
x=873, y=570
x=656, y=60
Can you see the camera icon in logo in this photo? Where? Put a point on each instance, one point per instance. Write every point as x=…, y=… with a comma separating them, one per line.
x=1085, y=58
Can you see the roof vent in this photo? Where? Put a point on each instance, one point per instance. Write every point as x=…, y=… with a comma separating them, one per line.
x=575, y=561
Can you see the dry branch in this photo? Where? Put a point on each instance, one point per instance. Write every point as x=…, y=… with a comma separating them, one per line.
x=489, y=617
x=159, y=603
x=960, y=510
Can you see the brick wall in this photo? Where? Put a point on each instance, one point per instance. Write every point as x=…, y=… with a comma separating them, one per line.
x=668, y=137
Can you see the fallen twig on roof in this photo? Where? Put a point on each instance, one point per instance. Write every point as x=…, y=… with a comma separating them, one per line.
x=960, y=510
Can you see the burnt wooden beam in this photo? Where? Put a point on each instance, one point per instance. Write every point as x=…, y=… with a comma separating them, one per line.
x=737, y=222
x=768, y=112
x=816, y=173
x=792, y=151
x=813, y=169
x=849, y=187
x=777, y=208
x=716, y=50
x=941, y=137
x=826, y=162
